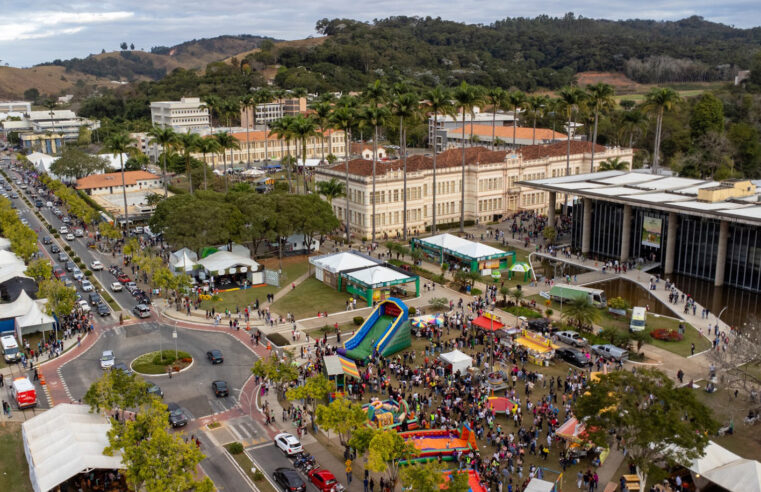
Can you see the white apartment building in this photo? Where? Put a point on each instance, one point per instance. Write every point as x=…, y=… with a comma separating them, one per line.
x=271, y=111
x=62, y=121
x=254, y=144
x=491, y=191
x=186, y=114
x=24, y=107
x=446, y=122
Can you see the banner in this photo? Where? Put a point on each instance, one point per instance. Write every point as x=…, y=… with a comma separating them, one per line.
x=651, y=232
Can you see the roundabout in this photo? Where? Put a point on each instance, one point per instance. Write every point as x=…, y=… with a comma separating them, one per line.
x=160, y=363
x=191, y=387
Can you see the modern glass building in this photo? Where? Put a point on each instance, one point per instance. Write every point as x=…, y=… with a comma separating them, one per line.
x=701, y=229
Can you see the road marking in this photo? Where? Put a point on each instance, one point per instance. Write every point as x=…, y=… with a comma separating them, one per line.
x=260, y=446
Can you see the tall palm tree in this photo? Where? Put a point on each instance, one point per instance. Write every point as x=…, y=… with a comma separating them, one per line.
x=119, y=144
x=322, y=112
x=303, y=128
x=246, y=103
x=439, y=101
x=573, y=98
x=515, y=100
x=279, y=127
x=164, y=136
x=375, y=117
x=212, y=104
x=375, y=93
x=406, y=107
x=600, y=97
x=536, y=103
x=226, y=141
x=208, y=145
x=496, y=98
x=345, y=117
x=634, y=120
x=466, y=97
x=263, y=96
x=659, y=100
x=188, y=143
x=331, y=189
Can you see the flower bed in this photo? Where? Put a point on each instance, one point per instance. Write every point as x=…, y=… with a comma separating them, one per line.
x=666, y=335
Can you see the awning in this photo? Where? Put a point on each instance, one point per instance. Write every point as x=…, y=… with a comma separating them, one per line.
x=488, y=323
x=349, y=366
x=571, y=429
x=341, y=262
x=224, y=263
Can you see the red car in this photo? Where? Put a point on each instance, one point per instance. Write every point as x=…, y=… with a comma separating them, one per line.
x=58, y=272
x=324, y=480
x=123, y=278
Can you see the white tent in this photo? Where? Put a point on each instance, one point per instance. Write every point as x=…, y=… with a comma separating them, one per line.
x=36, y=319
x=377, y=275
x=309, y=163
x=458, y=360
x=724, y=468
x=538, y=485
x=462, y=246
x=65, y=441
x=41, y=161
x=5, y=244
x=20, y=307
x=253, y=172
x=224, y=262
x=341, y=262
x=183, y=260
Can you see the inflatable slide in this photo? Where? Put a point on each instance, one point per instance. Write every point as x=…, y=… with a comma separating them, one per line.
x=386, y=330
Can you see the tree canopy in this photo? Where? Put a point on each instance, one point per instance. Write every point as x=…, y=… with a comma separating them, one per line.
x=74, y=163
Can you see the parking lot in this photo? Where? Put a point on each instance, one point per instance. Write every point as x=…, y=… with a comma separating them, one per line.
x=191, y=389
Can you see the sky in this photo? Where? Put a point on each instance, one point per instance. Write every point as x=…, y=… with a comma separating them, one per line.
x=36, y=31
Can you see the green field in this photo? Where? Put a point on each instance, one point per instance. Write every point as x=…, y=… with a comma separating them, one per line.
x=309, y=298
x=15, y=471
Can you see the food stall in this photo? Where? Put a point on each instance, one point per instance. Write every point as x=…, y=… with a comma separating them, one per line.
x=540, y=348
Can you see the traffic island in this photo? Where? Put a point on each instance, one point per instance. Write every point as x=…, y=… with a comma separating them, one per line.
x=161, y=362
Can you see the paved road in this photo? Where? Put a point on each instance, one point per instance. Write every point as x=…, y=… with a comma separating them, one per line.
x=219, y=468
x=191, y=389
x=270, y=458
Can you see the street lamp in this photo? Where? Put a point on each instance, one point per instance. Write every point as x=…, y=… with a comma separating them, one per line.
x=174, y=335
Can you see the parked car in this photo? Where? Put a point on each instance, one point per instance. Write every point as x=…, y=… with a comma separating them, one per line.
x=69, y=237
x=611, y=352
x=59, y=272
x=573, y=356
x=55, y=249
x=123, y=278
x=116, y=287
x=142, y=311
x=94, y=298
x=47, y=240
x=96, y=265
x=87, y=286
x=220, y=388
x=571, y=338
x=79, y=232
x=107, y=359
x=62, y=256
x=71, y=266
x=324, y=480
x=121, y=366
x=63, y=230
x=83, y=305
x=177, y=417
x=289, y=479
x=102, y=309
x=288, y=443
x=215, y=356
x=154, y=389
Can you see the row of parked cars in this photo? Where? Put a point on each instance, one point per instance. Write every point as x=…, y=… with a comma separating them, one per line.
x=124, y=282
x=96, y=303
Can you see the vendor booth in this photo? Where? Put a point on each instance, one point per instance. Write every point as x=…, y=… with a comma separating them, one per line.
x=337, y=368
x=328, y=268
x=377, y=283
x=521, y=268
x=489, y=322
x=540, y=349
x=463, y=254
x=456, y=361
x=229, y=271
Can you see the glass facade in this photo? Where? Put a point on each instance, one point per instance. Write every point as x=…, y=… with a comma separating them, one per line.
x=696, y=247
x=607, y=223
x=743, y=266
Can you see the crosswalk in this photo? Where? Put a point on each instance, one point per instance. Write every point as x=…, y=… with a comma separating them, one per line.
x=247, y=432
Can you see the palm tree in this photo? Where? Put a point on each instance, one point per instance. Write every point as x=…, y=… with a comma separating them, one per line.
x=572, y=98
x=226, y=141
x=164, y=137
x=283, y=127
x=246, y=103
x=344, y=117
x=535, y=103
x=119, y=144
x=466, y=97
x=634, y=120
x=497, y=99
x=263, y=96
x=322, y=112
x=303, y=128
x=438, y=100
x=188, y=143
x=600, y=97
x=405, y=107
x=50, y=105
x=375, y=93
x=331, y=189
x=613, y=164
x=208, y=145
x=515, y=100
x=582, y=311
x=212, y=104
x=375, y=117
x=659, y=100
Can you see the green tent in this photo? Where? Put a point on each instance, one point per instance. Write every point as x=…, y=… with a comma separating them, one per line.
x=520, y=267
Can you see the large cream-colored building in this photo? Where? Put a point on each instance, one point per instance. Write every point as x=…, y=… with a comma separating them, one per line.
x=253, y=141
x=187, y=114
x=271, y=111
x=491, y=191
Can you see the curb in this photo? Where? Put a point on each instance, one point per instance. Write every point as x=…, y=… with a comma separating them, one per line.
x=158, y=375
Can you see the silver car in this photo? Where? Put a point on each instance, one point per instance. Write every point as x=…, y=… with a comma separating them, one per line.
x=571, y=338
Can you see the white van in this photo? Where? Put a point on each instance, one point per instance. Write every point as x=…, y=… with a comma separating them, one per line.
x=639, y=316
x=11, y=353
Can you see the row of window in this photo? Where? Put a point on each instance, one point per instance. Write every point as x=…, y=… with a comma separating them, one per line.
x=533, y=198
x=490, y=184
x=490, y=205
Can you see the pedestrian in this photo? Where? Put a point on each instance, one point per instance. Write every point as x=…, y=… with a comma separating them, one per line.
x=169, y=371
x=1, y=381
x=692, y=348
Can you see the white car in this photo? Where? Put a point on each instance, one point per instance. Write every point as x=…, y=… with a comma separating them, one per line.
x=63, y=230
x=107, y=359
x=69, y=237
x=96, y=265
x=87, y=286
x=79, y=232
x=116, y=286
x=288, y=443
x=83, y=305
x=78, y=275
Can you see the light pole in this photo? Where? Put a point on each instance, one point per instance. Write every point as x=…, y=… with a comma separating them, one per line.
x=174, y=335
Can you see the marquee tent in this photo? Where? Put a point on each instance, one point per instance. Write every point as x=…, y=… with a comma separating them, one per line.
x=35, y=320
x=11, y=288
x=538, y=485
x=342, y=262
x=223, y=262
x=65, y=441
x=724, y=468
x=460, y=252
x=183, y=260
x=458, y=360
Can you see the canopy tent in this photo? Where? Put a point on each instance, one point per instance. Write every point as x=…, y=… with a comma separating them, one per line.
x=463, y=247
x=11, y=288
x=539, y=485
x=489, y=322
x=65, y=441
x=344, y=261
x=36, y=319
x=253, y=172
x=5, y=244
x=571, y=430
x=309, y=163
x=20, y=307
x=724, y=468
x=337, y=368
x=224, y=263
x=476, y=257
x=41, y=162
x=379, y=276
x=458, y=360
x=183, y=260
x=520, y=267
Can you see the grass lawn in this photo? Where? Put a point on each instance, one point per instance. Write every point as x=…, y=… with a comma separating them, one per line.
x=746, y=441
x=293, y=268
x=15, y=471
x=150, y=363
x=309, y=298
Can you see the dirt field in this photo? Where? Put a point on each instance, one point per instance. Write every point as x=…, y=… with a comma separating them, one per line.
x=48, y=80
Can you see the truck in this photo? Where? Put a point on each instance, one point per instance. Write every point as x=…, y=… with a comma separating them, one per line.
x=639, y=317
x=569, y=293
x=24, y=393
x=11, y=352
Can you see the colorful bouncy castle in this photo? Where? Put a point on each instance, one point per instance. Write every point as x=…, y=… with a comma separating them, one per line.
x=431, y=444
x=390, y=414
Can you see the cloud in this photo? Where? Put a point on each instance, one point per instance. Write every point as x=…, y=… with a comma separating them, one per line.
x=46, y=24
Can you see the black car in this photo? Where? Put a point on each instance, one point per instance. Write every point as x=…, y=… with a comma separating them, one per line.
x=215, y=356
x=539, y=325
x=220, y=388
x=94, y=298
x=122, y=367
x=102, y=309
x=177, y=417
x=573, y=356
x=47, y=240
x=289, y=479
x=55, y=249
x=154, y=389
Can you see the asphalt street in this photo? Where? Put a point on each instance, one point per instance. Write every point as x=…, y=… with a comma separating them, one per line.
x=190, y=389
x=270, y=458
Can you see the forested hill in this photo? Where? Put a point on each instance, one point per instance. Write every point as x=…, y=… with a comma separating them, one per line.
x=520, y=52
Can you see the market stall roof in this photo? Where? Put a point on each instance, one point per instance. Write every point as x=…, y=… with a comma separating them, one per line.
x=728, y=470
x=463, y=247
x=521, y=267
x=36, y=316
x=344, y=261
x=336, y=365
x=538, y=485
x=379, y=276
x=65, y=441
x=488, y=323
x=456, y=358
x=571, y=429
x=222, y=261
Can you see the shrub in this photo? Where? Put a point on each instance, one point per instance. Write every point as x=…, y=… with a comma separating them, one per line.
x=475, y=292
x=618, y=303
x=549, y=312
x=235, y=448
x=278, y=339
x=666, y=335
x=88, y=273
x=412, y=311
x=523, y=311
x=358, y=320
x=258, y=475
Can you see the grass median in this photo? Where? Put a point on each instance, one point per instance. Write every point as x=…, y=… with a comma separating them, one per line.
x=158, y=362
